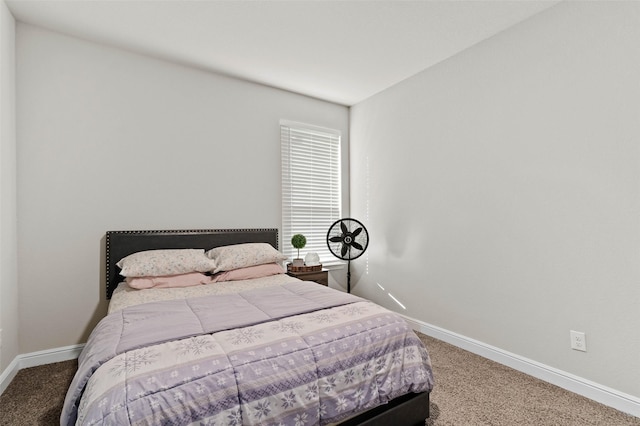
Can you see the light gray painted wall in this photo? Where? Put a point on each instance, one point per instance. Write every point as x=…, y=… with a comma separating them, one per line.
x=8, y=264
x=109, y=140
x=501, y=189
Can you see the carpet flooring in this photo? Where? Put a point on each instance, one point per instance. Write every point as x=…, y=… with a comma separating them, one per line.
x=470, y=390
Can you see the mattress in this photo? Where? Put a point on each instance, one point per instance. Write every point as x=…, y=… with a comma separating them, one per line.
x=273, y=350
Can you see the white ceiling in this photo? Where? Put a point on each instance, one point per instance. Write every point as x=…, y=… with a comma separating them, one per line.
x=340, y=51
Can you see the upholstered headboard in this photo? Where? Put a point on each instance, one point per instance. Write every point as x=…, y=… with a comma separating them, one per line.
x=123, y=243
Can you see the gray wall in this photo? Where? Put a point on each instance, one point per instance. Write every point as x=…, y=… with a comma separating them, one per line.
x=501, y=191
x=110, y=140
x=8, y=238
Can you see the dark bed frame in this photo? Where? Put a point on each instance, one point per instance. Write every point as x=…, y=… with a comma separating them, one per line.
x=407, y=410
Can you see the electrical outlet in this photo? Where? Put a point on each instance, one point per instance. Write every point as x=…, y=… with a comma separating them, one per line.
x=578, y=341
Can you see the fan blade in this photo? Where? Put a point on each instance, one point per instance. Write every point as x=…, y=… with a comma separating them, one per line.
x=345, y=249
x=344, y=228
x=357, y=245
x=335, y=239
x=356, y=232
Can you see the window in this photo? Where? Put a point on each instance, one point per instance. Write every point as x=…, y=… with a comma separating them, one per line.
x=310, y=187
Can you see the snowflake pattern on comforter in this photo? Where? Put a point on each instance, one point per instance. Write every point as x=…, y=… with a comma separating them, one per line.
x=316, y=367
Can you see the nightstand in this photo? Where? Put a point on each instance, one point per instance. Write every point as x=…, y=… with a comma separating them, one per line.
x=321, y=277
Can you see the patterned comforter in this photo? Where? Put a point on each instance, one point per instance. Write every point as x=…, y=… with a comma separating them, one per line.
x=292, y=354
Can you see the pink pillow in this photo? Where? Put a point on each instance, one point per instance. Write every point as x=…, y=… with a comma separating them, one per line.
x=182, y=280
x=249, y=272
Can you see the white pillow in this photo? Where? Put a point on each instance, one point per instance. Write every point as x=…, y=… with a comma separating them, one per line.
x=228, y=258
x=155, y=263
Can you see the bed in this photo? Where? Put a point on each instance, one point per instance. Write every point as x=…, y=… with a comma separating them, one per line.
x=266, y=350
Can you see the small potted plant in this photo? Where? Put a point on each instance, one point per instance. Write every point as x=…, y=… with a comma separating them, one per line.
x=298, y=241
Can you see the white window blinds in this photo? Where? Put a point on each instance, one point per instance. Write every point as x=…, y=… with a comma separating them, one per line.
x=310, y=187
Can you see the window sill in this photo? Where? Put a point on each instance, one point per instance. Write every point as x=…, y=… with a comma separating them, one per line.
x=335, y=265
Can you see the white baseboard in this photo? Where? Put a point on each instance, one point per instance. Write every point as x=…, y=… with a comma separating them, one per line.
x=34, y=359
x=8, y=374
x=620, y=401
